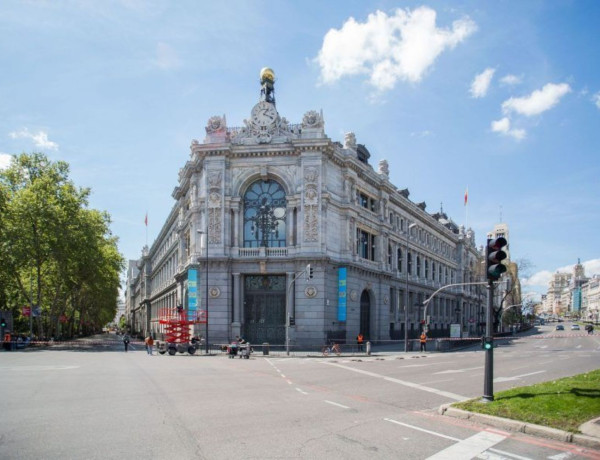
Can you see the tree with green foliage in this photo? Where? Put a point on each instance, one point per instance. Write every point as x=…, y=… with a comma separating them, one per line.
x=55, y=252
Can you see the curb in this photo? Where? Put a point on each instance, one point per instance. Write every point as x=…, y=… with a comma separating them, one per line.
x=521, y=427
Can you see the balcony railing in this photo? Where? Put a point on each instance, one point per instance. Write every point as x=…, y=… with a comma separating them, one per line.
x=262, y=252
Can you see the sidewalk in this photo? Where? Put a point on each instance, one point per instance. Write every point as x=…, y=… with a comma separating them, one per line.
x=589, y=437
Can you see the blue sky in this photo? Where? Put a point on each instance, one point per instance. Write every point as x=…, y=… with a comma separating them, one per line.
x=502, y=97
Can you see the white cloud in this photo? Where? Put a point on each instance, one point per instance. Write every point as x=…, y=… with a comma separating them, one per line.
x=510, y=80
x=503, y=126
x=537, y=102
x=166, y=57
x=542, y=278
x=538, y=279
x=596, y=99
x=5, y=160
x=389, y=48
x=40, y=139
x=481, y=83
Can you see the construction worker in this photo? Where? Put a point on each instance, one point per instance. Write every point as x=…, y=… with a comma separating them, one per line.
x=423, y=340
x=360, y=340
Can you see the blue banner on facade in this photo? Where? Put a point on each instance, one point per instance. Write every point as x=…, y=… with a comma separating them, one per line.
x=192, y=292
x=341, y=316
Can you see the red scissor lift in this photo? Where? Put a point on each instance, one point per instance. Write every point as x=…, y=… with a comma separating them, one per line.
x=177, y=330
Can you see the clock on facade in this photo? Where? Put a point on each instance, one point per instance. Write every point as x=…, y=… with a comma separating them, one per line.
x=264, y=114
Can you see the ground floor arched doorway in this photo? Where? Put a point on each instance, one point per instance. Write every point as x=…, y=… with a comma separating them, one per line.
x=264, y=308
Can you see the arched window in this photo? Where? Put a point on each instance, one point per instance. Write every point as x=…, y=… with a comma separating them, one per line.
x=264, y=215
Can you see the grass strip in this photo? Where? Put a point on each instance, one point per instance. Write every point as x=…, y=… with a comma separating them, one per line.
x=564, y=404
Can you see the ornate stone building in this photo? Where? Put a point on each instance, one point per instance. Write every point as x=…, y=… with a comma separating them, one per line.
x=255, y=204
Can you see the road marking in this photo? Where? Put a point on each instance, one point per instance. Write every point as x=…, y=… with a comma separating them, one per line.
x=301, y=391
x=516, y=377
x=470, y=447
x=446, y=394
x=435, y=433
x=578, y=347
x=38, y=368
x=336, y=404
x=436, y=381
x=502, y=452
x=456, y=371
x=562, y=456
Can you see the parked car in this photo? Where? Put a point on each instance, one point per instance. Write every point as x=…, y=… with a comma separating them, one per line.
x=575, y=327
x=560, y=327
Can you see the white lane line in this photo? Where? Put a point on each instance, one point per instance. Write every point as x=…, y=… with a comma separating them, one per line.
x=288, y=381
x=562, y=456
x=456, y=371
x=435, y=433
x=38, y=368
x=336, y=404
x=436, y=381
x=578, y=346
x=470, y=447
x=516, y=377
x=445, y=394
x=301, y=391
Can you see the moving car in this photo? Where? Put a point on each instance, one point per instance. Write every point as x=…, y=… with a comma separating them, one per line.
x=560, y=327
x=575, y=327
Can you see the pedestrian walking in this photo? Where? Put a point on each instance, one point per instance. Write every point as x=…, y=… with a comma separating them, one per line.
x=149, y=344
x=423, y=340
x=126, y=341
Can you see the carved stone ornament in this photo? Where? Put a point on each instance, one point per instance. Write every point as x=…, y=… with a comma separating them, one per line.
x=215, y=200
x=310, y=204
x=386, y=299
x=215, y=124
x=353, y=295
x=214, y=292
x=310, y=292
x=350, y=141
x=384, y=168
x=312, y=119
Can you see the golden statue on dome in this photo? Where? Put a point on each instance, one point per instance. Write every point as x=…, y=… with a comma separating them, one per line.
x=267, y=81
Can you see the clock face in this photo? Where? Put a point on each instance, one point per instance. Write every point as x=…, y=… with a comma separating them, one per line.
x=264, y=114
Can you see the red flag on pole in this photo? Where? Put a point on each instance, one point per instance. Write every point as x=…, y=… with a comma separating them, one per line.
x=466, y=196
x=146, y=220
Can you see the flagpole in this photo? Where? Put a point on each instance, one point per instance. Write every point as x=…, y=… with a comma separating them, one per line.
x=146, y=223
x=467, y=208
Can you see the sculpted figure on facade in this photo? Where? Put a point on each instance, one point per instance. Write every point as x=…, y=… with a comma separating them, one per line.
x=384, y=168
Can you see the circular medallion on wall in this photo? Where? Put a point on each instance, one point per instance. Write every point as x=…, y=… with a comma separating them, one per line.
x=353, y=295
x=310, y=291
x=214, y=292
x=386, y=299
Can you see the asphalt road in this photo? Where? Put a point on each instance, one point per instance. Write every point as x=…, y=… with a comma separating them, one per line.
x=103, y=403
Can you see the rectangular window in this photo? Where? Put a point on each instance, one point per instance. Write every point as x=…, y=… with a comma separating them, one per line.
x=365, y=244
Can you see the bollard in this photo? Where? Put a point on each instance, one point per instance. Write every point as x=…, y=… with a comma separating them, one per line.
x=368, y=348
x=265, y=348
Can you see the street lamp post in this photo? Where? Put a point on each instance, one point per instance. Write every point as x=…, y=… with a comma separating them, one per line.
x=206, y=288
x=406, y=290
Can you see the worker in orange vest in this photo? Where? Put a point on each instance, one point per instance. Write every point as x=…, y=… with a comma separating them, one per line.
x=423, y=340
x=359, y=340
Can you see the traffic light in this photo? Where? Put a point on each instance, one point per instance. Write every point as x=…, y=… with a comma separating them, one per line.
x=309, y=272
x=487, y=343
x=3, y=322
x=494, y=255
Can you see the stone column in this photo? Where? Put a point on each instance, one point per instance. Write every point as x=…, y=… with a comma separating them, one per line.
x=236, y=227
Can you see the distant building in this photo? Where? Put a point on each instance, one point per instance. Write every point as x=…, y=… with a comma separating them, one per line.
x=255, y=204
x=573, y=294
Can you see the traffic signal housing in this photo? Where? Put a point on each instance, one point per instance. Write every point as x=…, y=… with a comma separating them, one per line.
x=309, y=272
x=487, y=343
x=494, y=255
x=3, y=322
